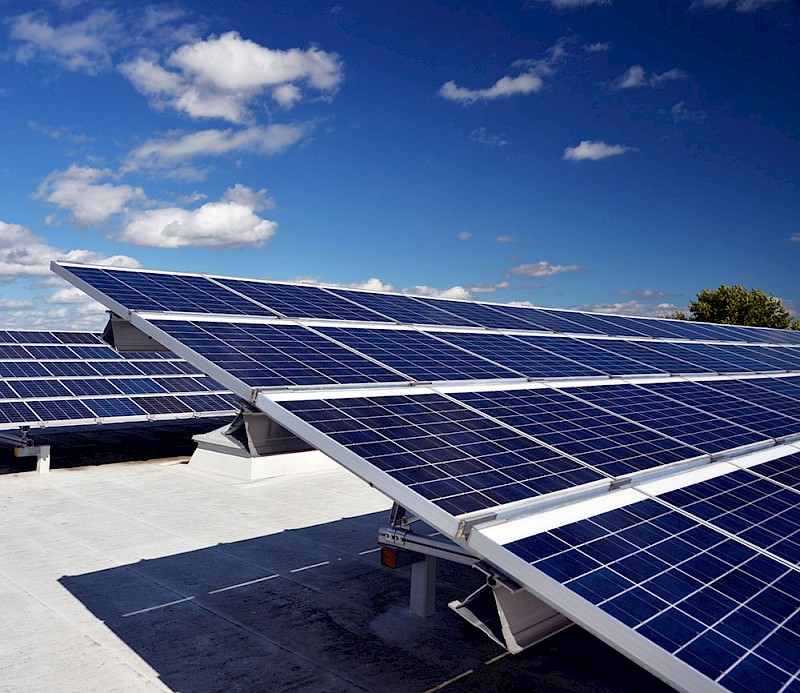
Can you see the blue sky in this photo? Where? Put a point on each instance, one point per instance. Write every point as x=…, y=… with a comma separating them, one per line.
x=615, y=156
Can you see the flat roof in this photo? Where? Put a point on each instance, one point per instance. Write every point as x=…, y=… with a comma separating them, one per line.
x=153, y=576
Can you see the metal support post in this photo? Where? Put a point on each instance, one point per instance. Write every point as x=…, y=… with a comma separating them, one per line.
x=423, y=587
x=43, y=459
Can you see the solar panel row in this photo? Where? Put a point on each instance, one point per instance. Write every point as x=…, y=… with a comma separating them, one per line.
x=700, y=582
x=274, y=355
x=162, y=292
x=64, y=377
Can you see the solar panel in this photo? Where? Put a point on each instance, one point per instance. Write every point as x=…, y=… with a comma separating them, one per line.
x=644, y=497
x=73, y=378
x=417, y=355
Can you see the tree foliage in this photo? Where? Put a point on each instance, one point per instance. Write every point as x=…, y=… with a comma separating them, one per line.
x=735, y=305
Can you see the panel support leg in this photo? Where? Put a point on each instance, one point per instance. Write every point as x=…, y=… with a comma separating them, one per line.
x=43, y=459
x=423, y=587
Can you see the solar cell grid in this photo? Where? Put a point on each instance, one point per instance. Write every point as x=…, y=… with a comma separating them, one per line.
x=14, y=351
x=607, y=442
x=404, y=309
x=6, y=392
x=272, y=355
x=711, y=601
x=669, y=417
x=166, y=404
x=518, y=355
x=138, y=386
x=115, y=286
x=41, y=353
x=419, y=356
x=735, y=409
x=113, y=406
x=206, y=403
x=454, y=457
x=752, y=392
x=775, y=357
x=548, y=320
x=60, y=410
x=187, y=384
x=77, y=338
x=302, y=301
x=119, y=367
x=90, y=386
x=16, y=413
x=32, y=337
x=95, y=352
x=21, y=369
x=32, y=389
x=702, y=361
x=590, y=355
x=785, y=471
x=739, y=362
x=640, y=352
x=69, y=368
x=472, y=313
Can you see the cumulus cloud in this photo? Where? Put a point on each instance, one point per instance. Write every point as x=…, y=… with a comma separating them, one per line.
x=632, y=307
x=482, y=288
x=636, y=77
x=644, y=294
x=25, y=254
x=176, y=148
x=82, y=46
x=530, y=80
x=229, y=223
x=506, y=239
x=537, y=270
x=221, y=76
x=375, y=284
x=464, y=235
x=593, y=151
x=88, y=202
x=7, y=304
x=598, y=47
x=795, y=238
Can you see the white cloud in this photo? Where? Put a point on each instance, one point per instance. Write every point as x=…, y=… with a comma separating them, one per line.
x=593, y=151
x=644, y=294
x=598, y=47
x=452, y=292
x=464, y=235
x=165, y=152
x=537, y=270
x=375, y=284
x=88, y=202
x=7, y=304
x=681, y=114
x=506, y=239
x=795, y=238
x=481, y=288
x=529, y=81
x=82, y=46
x=636, y=77
x=229, y=223
x=221, y=76
x=502, y=88
x=737, y=5
x=632, y=307
x=25, y=254
x=489, y=139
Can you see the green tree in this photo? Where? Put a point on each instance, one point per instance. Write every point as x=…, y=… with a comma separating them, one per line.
x=735, y=305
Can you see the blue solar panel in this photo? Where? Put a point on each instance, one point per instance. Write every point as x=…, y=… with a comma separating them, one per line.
x=95, y=352
x=164, y=292
x=702, y=362
x=69, y=368
x=113, y=406
x=739, y=362
x=90, y=386
x=16, y=413
x=639, y=351
x=60, y=351
x=711, y=601
x=778, y=357
x=139, y=386
x=483, y=314
x=671, y=418
x=751, y=391
x=6, y=392
x=417, y=355
x=275, y=355
x=590, y=355
x=205, y=403
x=450, y=455
x=61, y=410
x=14, y=351
x=303, y=301
x=165, y=404
x=186, y=384
x=32, y=389
x=32, y=337
x=785, y=471
x=77, y=338
x=598, y=438
x=734, y=409
x=548, y=320
x=518, y=355
x=117, y=367
x=20, y=369
x=164, y=368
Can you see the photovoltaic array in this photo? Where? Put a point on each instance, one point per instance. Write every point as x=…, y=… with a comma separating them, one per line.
x=640, y=475
x=74, y=378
